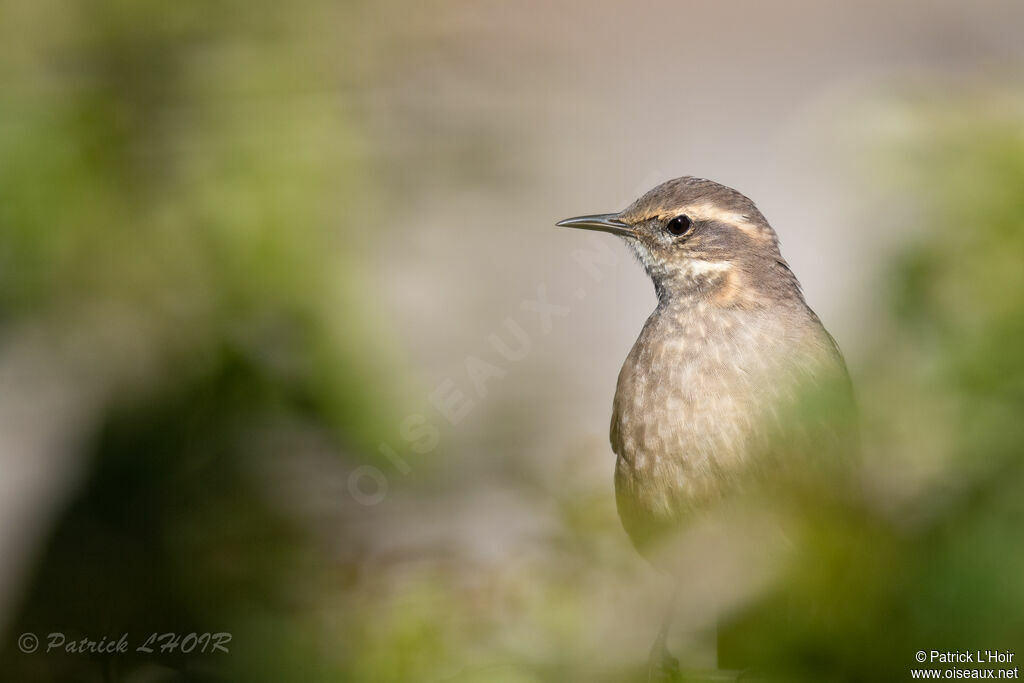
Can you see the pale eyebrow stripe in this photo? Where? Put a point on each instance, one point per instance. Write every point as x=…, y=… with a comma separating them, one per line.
x=710, y=212
x=707, y=212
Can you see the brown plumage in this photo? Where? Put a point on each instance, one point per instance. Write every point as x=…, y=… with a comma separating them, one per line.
x=708, y=388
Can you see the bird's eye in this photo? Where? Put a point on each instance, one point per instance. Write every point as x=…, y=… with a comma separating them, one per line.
x=679, y=225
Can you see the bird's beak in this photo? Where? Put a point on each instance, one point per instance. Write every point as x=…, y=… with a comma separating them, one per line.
x=605, y=222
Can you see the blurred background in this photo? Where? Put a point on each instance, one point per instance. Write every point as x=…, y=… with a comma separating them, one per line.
x=291, y=350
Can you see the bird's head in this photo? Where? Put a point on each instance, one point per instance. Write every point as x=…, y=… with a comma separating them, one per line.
x=696, y=237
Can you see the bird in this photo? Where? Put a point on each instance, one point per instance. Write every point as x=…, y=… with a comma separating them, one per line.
x=703, y=395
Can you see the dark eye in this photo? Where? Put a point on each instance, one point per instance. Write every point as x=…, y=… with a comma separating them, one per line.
x=679, y=225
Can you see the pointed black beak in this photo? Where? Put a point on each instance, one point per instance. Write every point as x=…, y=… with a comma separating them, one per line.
x=605, y=222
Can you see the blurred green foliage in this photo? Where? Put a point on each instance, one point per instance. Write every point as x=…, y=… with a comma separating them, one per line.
x=181, y=187
x=192, y=171
x=181, y=193
x=930, y=557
